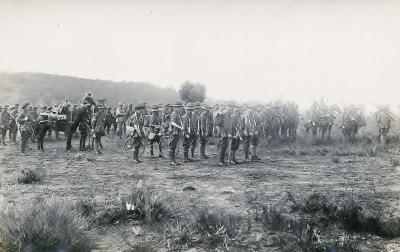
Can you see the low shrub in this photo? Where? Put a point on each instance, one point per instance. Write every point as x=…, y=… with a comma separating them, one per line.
x=47, y=225
x=30, y=176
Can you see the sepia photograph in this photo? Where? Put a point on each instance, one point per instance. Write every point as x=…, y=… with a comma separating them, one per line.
x=199, y=125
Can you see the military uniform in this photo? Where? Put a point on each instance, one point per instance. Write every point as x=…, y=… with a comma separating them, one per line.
x=175, y=132
x=120, y=119
x=235, y=134
x=137, y=122
x=222, y=125
x=246, y=136
x=23, y=119
x=155, y=124
x=4, y=123
x=256, y=118
x=204, y=121
x=13, y=130
x=188, y=132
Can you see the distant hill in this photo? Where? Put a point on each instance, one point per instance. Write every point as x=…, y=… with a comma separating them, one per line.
x=41, y=89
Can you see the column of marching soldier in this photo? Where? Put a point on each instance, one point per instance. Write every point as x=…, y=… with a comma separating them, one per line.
x=192, y=123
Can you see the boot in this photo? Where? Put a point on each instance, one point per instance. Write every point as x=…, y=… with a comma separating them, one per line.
x=253, y=154
x=246, y=155
x=84, y=144
x=3, y=140
x=97, y=147
x=160, y=151
x=80, y=144
x=151, y=151
x=192, y=152
x=171, y=154
x=136, y=155
x=234, y=157
x=186, y=158
x=221, y=158
x=22, y=146
x=203, y=152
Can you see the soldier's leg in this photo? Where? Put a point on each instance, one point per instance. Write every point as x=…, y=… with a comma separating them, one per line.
x=173, y=141
x=152, y=142
x=158, y=141
x=222, y=146
x=234, y=147
x=186, y=146
x=136, y=146
x=203, y=143
x=23, y=142
x=3, y=135
x=96, y=143
x=246, y=146
x=193, y=145
x=254, y=144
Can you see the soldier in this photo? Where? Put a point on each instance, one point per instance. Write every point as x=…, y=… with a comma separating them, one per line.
x=137, y=122
x=175, y=128
x=88, y=99
x=255, y=136
x=4, y=124
x=22, y=119
x=247, y=126
x=195, y=128
x=120, y=119
x=222, y=124
x=98, y=125
x=155, y=125
x=188, y=132
x=13, y=129
x=235, y=133
x=204, y=121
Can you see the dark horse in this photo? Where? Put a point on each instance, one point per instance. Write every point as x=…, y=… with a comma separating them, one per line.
x=69, y=126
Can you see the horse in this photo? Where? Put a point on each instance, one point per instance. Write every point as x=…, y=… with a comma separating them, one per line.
x=46, y=122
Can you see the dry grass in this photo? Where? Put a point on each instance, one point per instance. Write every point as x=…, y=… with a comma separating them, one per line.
x=142, y=204
x=316, y=223
x=30, y=176
x=48, y=225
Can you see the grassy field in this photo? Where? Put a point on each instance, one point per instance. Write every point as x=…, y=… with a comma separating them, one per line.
x=299, y=197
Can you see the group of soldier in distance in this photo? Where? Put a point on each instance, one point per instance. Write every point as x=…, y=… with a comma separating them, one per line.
x=191, y=123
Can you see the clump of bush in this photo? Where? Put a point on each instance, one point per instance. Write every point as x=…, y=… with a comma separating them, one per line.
x=308, y=223
x=30, y=176
x=180, y=234
x=218, y=227
x=47, y=225
x=142, y=204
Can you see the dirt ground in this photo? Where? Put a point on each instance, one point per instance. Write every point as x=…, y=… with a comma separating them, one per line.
x=295, y=169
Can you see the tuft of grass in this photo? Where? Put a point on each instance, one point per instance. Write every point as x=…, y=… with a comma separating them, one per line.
x=142, y=204
x=336, y=159
x=180, y=234
x=30, y=176
x=48, y=225
x=141, y=248
x=218, y=228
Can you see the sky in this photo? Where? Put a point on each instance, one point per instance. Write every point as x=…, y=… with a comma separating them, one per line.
x=346, y=51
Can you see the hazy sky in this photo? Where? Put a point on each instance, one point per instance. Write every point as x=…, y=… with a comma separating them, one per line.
x=347, y=51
